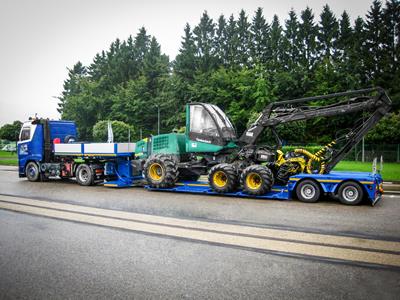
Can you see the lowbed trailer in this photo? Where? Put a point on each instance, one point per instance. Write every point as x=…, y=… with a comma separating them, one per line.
x=348, y=187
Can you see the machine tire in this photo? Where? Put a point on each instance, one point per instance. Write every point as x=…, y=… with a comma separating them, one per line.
x=222, y=178
x=308, y=191
x=350, y=193
x=257, y=180
x=84, y=175
x=161, y=171
x=32, y=172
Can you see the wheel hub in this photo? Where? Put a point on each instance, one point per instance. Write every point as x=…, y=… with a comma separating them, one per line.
x=220, y=179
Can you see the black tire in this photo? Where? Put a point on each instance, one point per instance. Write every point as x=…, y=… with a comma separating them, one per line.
x=308, y=191
x=161, y=171
x=350, y=193
x=257, y=180
x=69, y=139
x=222, y=178
x=32, y=172
x=84, y=175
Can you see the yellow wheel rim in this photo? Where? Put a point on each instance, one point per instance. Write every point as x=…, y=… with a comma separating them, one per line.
x=156, y=172
x=253, y=181
x=220, y=179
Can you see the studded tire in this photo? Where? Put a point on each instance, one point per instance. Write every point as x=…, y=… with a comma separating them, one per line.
x=222, y=178
x=257, y=180
x=161, y=171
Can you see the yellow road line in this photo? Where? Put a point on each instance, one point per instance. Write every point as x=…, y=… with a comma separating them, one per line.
x=306, y=237
x=213, y=237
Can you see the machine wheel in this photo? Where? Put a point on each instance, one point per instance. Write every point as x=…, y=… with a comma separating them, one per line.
x=84, y=175
x=32, y=172
x=161, y=171
x=350, y=193
x=308, y=191
x=257, y=179
x=222, y=178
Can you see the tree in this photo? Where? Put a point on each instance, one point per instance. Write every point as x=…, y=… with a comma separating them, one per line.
x=122, y=132
x=185, y=64
x=291, y=41
x=204, y=38
x=10, y=132
x=308, y=33
x=259, y=31
x=328, y=32
x=243, y=35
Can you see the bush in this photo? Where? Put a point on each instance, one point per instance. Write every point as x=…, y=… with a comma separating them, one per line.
x=120, y=131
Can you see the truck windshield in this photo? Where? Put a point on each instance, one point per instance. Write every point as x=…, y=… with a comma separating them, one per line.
x=25, y=134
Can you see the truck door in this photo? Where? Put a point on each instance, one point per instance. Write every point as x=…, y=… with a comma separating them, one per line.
x=30, y=145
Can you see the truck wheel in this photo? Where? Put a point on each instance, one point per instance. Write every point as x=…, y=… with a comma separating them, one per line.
x=32, y=171
x=308, y=191
x=222, y=178
x=84, y=175
x=350, y=193
x=161, y=171
x=257, y=180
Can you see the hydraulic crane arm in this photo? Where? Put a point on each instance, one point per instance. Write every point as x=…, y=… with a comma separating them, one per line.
x=373, y=100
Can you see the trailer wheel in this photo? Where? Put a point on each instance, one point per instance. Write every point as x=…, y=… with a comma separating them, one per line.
x=257, y=180
x=350, y=193
x=32, y=172
x=308, y=191
x=222, y=178
x=84, y=175
x=161, y=171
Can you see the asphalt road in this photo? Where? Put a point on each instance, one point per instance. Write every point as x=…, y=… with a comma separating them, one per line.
x=60, y=240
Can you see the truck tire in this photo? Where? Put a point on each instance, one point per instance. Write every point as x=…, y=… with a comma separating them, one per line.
x=161, y=171
x=69, y=139
x=222, y=178
x=257, y=180
x=350, y=193
x=308, y=191
x=84, y=175
x=32, y=171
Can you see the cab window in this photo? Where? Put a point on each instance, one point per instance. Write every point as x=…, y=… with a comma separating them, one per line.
x=201, y=121
x=25, y=134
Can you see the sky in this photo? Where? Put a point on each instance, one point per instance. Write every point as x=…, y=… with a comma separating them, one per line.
x=40, y=39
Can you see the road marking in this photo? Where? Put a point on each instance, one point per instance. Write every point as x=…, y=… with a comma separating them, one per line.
x=258, y=240
x=324, y=239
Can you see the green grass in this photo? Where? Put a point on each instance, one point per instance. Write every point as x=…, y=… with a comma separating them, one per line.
x=391, y=171
x=8, y=158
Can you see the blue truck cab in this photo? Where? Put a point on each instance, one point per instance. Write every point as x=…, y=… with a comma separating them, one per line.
x=36, y=141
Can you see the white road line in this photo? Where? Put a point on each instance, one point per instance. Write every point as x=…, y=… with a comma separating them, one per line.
x=307, y=237
x=220, y=238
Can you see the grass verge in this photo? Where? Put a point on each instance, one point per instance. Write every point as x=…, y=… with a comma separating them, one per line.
x=391, y=171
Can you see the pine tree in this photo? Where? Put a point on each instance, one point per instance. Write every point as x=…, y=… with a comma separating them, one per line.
x=185, y=64
x=220, y=43
x=308, y=33
x=345, y=38
x=374, y=40
x=232, y=43
x=71, y=86
x=204, y=39
x=259, y=31
x=275, y=44
x=243, y=34
x=291, y=41
x=328, y=32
